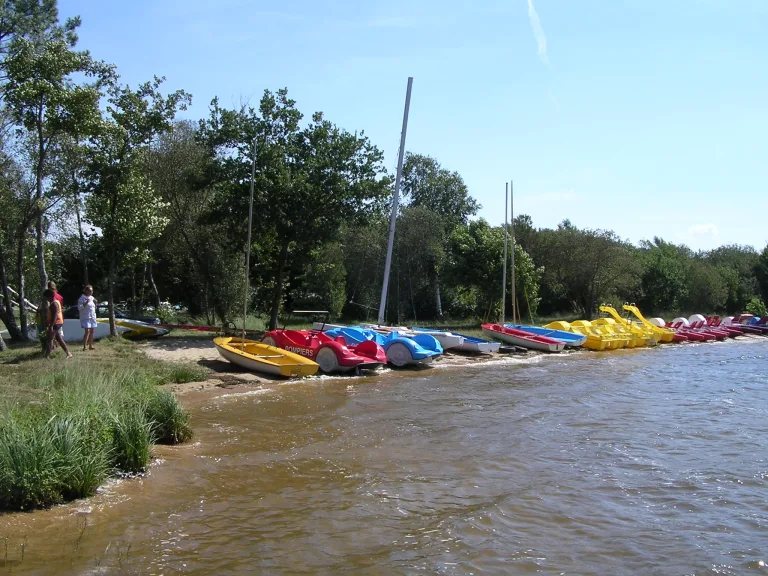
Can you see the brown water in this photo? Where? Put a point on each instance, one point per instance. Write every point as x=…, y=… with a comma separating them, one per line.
x=633, y=462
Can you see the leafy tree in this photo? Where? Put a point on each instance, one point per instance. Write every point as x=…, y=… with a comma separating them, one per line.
x=325, y=279
x=737, y=266
x=122, y=202
x=663, y=278
x=588, y=267
x=705, y=288
x=309, y=180
x=43, y=99
x=756, y=307
x=761, y=273
x=365, y=248
x=525, y=234
x=426, y=184
x=198, y=265
x=477, y=261
x=417, y=253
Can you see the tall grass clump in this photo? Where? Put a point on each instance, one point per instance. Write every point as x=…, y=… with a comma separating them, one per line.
x=171, y=422
x=183, y=373
x=85, y=424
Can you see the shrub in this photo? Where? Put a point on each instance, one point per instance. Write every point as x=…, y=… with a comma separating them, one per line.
x=132, y=438
x=85, y=424
x=756, y=307
x=169, y=420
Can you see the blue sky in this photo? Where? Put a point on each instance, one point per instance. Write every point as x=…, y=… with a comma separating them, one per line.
x=647, y=117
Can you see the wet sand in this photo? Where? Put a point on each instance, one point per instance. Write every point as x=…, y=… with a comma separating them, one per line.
x=226, y=378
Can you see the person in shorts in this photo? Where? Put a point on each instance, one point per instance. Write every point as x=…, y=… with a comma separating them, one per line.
x=55, y=324
x=87, y=307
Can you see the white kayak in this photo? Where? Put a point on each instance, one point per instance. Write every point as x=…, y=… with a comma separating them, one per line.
x=447, y=339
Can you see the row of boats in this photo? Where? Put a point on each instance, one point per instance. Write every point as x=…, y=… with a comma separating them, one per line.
x=332, y=348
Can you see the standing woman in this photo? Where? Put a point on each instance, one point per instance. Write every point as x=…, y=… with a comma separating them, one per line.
x=55, y=324
x=87, y=307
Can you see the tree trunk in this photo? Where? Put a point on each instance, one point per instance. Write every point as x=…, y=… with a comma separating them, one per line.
x=39, y=232
x=40, y=248
x=154, y=286
x=141, y=288
x=438, y=302
x=134, y=300
x=23, y=324
x=83, y=253
x=111, y=295
x=6, y=308
x=3, y=347
x=277, y=295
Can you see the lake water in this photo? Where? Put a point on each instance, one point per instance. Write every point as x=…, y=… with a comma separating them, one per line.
x=649, y=461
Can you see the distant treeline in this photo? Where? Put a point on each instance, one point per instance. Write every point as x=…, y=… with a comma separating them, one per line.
x=100, y=183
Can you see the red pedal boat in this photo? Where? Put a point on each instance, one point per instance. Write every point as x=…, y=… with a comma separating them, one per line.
x=689, y=334
x=332, y=354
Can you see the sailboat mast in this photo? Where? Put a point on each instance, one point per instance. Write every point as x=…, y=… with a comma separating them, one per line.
x=504, y=273
x=393, y=219
x=248, y=245
x=515, y=311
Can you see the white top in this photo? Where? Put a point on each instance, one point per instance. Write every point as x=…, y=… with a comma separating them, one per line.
x=87, y=307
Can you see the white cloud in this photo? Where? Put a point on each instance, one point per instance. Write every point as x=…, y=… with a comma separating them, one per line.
x=703, y=230
x=538, y=32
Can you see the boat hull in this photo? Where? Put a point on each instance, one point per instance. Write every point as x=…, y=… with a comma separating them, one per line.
x=570, y=339
x=259, y=357
x=447, y=339
x=520, y=338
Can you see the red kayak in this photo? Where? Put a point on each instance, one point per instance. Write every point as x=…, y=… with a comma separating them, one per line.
x=333, y=354
x=522, y=338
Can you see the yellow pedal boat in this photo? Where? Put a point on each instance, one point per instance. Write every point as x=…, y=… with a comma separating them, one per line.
x=595, y=339
x=640, y=334
x=259, y=357
x=664, y=334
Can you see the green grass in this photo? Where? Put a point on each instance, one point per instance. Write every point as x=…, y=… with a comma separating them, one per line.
x=65, y=427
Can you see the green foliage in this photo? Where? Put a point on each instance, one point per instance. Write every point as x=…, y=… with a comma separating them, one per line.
x=131, y=218
x=133, y=435
x=324, y=284
x=426, y=184
x=737, y=267
x=583, y=268
x=477, y=263
x=171, y=422
x=705, y=287
x=761, y=273
x=309, y=180
x=178, y=373
x=663, y=278
x=89, y=423
x=41, y=95
x=756, y=307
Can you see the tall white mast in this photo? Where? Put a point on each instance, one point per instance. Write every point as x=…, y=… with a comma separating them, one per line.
x=504, y=274
x=388, y=262
x=248, y=246
x=515, y=311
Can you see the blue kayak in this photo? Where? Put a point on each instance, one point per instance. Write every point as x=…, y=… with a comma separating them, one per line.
x=400, y=350
x=569, y=338
x=464, y=343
